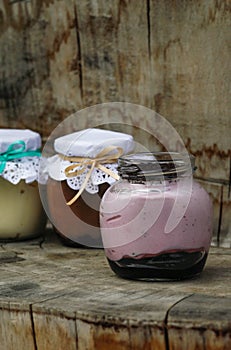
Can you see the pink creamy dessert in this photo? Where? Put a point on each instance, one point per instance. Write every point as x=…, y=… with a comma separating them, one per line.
x=140, y=241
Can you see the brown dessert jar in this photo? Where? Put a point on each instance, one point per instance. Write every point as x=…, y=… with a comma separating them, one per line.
x=83, y=168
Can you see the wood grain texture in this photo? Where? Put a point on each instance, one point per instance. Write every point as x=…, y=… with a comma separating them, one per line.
x=225, y=232
x=39, y=82
x=219, y=194
x=58, y=298
x=57, y=57
x=114, y=51
x=55, y=331
x=191, y=51
x=16, y=331
x=195, y=325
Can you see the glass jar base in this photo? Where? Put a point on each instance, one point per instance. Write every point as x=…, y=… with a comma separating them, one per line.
x=172, y=266
x=84, y=241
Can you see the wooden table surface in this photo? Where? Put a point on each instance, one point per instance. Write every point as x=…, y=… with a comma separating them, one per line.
x=62, y=298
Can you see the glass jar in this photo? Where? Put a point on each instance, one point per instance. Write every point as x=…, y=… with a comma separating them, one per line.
x=84, y=166
x=156, y=221
x=21, y=212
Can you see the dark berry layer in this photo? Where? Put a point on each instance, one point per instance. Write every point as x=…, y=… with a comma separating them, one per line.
x=176, y=265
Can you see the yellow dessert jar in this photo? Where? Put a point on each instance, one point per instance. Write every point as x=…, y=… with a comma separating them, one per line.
x=21, y=212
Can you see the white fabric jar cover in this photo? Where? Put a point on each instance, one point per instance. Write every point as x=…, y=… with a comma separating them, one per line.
x=19, y=155
x=87, y=143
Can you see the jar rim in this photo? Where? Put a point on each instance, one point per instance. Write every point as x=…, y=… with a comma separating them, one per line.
x=156, y=165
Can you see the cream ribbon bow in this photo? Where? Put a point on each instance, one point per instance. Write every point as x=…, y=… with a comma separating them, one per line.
x=106, y=156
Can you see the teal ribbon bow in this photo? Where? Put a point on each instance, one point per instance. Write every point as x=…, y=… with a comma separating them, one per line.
x=14, y=152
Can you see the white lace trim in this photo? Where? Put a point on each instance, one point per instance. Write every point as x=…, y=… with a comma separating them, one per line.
x=55, y=168
x=25, y=168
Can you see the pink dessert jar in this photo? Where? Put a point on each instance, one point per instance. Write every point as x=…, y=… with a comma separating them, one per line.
x=156, y=221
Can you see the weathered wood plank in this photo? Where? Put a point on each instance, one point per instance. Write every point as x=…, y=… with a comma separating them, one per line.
x=16, y=330
x=154, y=53
x=147, y=338
x=54, y=268
x=69, y=298
x=55, y=332
x=39, y=81
x=219, y=194
x=101, y=317
x=200, y=322
x=114, y=51
x=103, y=337
x=225, y=231
x=191, y=77
x=100, y=337
x=57, y=57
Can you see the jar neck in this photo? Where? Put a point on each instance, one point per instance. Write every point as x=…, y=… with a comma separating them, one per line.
x=155, y=166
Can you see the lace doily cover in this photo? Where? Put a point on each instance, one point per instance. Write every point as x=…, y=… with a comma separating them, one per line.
x=26, y=168
x=55, y=167
x=87, y=143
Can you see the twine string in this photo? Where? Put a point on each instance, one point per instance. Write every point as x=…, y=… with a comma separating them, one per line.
x=108, y=155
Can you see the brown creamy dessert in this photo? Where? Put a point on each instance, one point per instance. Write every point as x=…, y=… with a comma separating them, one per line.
x=78, y=224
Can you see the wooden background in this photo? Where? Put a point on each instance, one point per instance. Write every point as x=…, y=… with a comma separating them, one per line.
x=173, y=56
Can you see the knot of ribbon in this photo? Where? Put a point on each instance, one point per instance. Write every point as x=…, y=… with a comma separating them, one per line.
x=14, y=151
x=82, y=164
